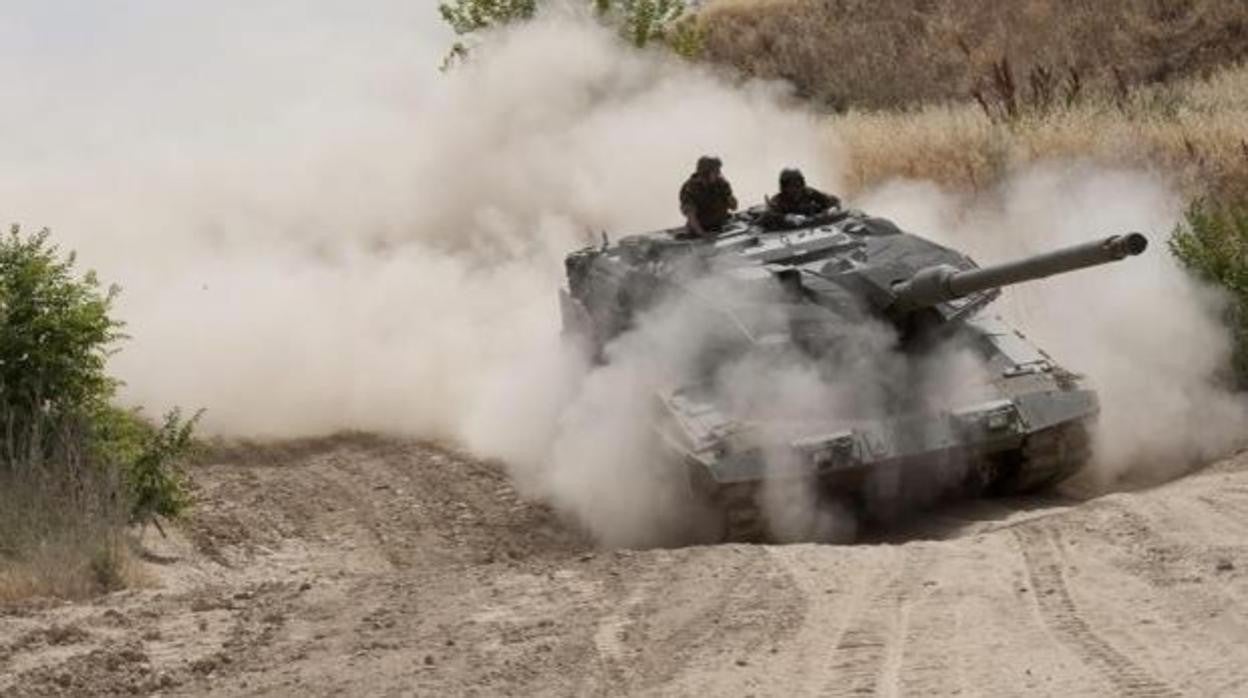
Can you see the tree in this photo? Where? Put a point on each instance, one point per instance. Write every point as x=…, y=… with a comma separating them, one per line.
x=467, y=16
x=57, y=420
x=640, y=22
x=55, y=338
x=643, y=21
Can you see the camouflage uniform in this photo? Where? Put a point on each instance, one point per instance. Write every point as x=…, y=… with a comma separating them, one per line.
x=806, y=202
x=711, y=200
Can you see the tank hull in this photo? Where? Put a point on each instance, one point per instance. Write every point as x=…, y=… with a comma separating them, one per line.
x=882, y=490
x=880, y=469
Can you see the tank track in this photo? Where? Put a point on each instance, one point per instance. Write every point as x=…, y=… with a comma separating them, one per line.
x=742, y=519
x=1045, y=459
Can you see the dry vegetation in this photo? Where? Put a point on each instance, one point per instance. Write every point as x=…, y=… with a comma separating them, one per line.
x=61, y=541
x=889, y=53
x=1194, y=132
x=963, y=92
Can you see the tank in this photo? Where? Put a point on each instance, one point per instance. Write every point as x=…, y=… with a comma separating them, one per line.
x=1022, y=427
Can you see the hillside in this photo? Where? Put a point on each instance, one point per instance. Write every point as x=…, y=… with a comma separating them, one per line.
x=1192, y=132
x=887, y=53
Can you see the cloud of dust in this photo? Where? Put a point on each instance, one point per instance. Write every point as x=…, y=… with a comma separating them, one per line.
x=315, y=230
x=1147, y=337
x=312, y=239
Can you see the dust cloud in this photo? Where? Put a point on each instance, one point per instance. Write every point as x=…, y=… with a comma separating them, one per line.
x=318, y=234
x=1146, y=336
x=315, y=230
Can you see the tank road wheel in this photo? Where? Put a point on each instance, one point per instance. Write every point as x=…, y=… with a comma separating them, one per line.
x=982, y=472
x=705, y=506
x=1047, y=458
x=742, y=518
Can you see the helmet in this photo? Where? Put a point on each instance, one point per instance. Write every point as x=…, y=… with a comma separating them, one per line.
x=708, y=163
x=792, y=176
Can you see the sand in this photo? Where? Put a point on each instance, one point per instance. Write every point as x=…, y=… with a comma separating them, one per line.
x=366, y=566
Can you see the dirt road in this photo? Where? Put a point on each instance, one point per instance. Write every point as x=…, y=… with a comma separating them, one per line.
x=361, y=566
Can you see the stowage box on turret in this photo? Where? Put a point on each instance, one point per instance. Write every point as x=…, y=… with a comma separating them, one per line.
x=1025, y=428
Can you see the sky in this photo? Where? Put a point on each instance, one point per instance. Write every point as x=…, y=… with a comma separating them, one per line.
x=80, y=79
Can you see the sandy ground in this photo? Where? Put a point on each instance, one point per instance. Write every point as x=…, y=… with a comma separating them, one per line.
x=361, y=566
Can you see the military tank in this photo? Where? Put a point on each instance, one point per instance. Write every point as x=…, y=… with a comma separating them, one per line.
x=802, y=286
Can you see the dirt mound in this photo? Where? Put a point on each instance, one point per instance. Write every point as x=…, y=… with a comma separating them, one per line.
x=362, y=565
x=396, y=503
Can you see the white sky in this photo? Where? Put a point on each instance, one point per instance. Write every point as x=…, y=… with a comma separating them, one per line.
x=92, y=75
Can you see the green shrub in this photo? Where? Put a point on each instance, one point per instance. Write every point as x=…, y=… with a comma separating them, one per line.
x=467, y=16
x=686, y=37
x=154, y=479
x=1212, y=242
x=74, y=468
x=640, y=22
x=643, y=21
x=150, y=459
x=55, y=338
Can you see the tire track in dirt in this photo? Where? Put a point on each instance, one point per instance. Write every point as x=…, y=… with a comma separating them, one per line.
x=871, y=649
x=707, y=620
x=1229, y=503
x=1180, y=549
x=827, y=589
x=1060, y=613
x=927, y=668
x=350, y=488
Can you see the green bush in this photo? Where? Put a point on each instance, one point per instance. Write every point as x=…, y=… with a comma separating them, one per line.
x=467, y=16
x=55, y=338
x=643, y=21
x=149, y=457
x=1212, y=242
x=157, y=487
x=63, y=444
x=640, y=22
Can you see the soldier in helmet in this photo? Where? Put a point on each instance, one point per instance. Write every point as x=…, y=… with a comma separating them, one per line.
x=795, y=198
x=706, y=198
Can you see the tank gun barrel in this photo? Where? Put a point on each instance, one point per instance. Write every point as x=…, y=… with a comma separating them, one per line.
x=944, y=283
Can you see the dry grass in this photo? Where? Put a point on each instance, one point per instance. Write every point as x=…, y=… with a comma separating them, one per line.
x=61, y=537
x=890, y=53
x=68, y=569
x=1194, y=131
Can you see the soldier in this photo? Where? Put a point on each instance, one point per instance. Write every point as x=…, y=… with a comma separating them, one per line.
x=795, y=198
x=706, y=198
